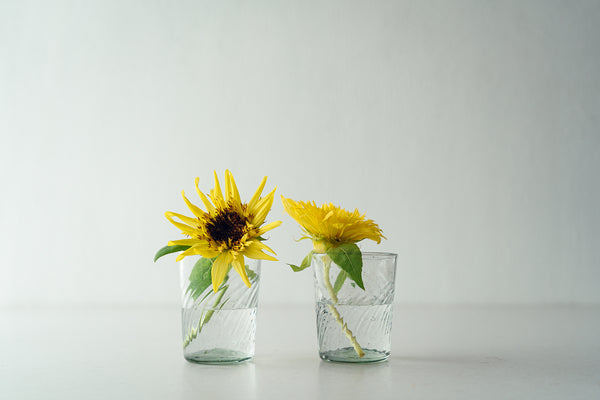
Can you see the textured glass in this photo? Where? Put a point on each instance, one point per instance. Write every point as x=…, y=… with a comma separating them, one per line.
x=219, y=327
x=354, y=325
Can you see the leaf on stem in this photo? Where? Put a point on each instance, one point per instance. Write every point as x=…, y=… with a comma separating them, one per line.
x=348, y=257
x=305, y=263
x=200, y=278
x=168, y=250
x=251, y=274
x=339, y=281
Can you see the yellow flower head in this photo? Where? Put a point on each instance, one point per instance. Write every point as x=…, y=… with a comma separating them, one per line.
x=228, y=229
x=330, y=226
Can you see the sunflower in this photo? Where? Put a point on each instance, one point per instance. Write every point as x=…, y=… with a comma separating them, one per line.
x=330, y=226
x=228, y=230
x=334, y=233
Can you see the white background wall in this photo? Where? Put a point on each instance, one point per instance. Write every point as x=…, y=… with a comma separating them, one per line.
x=468, y=130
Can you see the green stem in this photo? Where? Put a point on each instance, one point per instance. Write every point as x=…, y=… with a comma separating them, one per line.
x=194, y=332
x=334, y=311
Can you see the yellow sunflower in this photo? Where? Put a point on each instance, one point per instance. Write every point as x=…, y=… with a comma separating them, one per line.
x=229, y=229
x=330, y=226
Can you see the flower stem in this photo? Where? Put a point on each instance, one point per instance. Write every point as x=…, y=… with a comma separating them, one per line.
x=206, y=317
x=334, y=311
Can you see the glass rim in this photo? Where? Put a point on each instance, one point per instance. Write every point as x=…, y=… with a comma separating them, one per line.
x=379, y=254
x=369, y=254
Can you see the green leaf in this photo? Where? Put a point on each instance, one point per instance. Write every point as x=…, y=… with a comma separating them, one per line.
x=339, y=281
x=168, y=250
x=205, y=317
x=305, y=263
x=251, y=274
x=349, y=258
x=200, y=278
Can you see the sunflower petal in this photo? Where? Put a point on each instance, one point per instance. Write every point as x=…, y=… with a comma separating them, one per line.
x=238, y=265
x=219, y=269
x=254, y=251
x=256, y=197
x=287, y=204
x=209, y=253
x=263, y=246
x=228, y=194
x=216, y=192
x=234, y=190
x=263, y=207
x=199, y=249
x=193, y=208
x=209, y=207
x=268, y=227
x=188, y=230
x=192, y=222
x=185, y=242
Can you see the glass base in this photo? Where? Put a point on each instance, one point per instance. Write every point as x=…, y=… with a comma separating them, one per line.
x=348, y=355
x=217, y=356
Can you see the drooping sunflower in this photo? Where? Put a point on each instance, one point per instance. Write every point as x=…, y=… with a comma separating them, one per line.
x=228, y=230
x=330, y=226
x=334, y=233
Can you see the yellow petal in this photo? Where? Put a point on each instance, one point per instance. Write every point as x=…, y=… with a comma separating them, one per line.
x=185, y=242
x=238, y=265
x=289, y=206
x=257, y=194
x=228, y=194
x=233, y=189
x=263, y=246
x=268, y=227
x=209, y=207
x=193, y=222
x=199, y=249
x=188, y=230
x=253, y=251
x=194, y=209
x=208, y=253
x=219, y=269
x=262, y=208
x=217, y=190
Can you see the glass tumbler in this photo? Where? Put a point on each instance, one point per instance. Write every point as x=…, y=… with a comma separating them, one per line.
x=355, y=325
x=218, y=327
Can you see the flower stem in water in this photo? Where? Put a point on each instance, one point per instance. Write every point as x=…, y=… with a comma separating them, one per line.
x=206, y=317
x=334, y=311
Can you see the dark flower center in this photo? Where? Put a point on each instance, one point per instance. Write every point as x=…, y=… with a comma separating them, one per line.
x=226, y=227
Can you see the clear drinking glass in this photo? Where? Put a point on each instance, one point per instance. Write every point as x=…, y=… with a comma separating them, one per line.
x=355, y=325
x=218, y=327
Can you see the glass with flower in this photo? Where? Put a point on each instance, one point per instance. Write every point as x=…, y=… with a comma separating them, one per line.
x=354, y=291
x=218, y=305
x=355, y=324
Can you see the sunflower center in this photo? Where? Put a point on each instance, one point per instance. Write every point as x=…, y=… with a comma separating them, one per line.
x=226, y=227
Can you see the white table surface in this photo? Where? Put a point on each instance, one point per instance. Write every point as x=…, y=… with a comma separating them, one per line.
x=451, y=352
